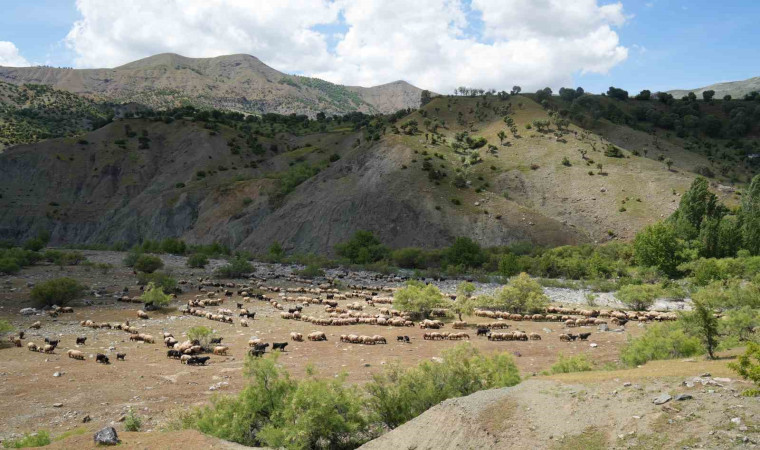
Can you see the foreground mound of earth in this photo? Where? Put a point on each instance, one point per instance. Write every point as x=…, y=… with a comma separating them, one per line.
x=595, y=410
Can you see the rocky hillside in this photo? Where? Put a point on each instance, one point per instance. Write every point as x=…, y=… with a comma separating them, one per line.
x=235, y=82
x=736, y=89
x=421, y=180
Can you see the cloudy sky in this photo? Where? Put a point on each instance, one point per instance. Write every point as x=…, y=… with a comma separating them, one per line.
x=434, y=44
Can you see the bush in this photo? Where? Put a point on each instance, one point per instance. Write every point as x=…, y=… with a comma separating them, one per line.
x=398, y=395
x=34, y=245
x=58, y=291
x=132, y=422
x=521, y=295
x=418, y=299
x=197, y=261
x=159, y=279
x=64, y=258
x=154, y=296
x=132, y=257
x=9, y=266
x=148, y=263
x=362, y=248
x=409, y=258
x=201, y=334
x=658, y=246
x=660, y=341
x=748, y=366
x=465, y=252
x=577, y=363
x=311, y=271
x=5, y=326
x=39, y=439
x=173, y=246
x=236, y=268
x=638, y=297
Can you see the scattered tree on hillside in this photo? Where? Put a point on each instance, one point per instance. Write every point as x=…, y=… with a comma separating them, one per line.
x=617, y=93
x=464, y=303
x=418, y=299
x=425, y=97
x=708, y=95
x=644, y=95
x=750, y=217
x=502, y=135
x=515, y=90
x=702, y=323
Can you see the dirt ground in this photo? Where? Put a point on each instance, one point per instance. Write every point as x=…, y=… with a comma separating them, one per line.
x=157, y=387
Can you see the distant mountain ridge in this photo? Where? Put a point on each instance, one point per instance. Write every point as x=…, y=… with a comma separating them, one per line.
x=736, y=89
x=235, y=82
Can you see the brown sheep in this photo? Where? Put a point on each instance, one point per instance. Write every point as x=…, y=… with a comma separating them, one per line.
x=298, y=337
x=221, y=350
x=534, y=337
x=36, y=325
x=142, y=314
x=75, y=354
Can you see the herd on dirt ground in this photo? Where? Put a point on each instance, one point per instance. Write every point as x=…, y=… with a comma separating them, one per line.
x=214, y=294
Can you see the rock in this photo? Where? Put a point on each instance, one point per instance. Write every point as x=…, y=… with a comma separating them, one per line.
x=28, y=311
x=705, y=375
x=57, y=405
x=547, y=330
x=627, y=383
x=57, y=374
x=688, y=384
x=593, y=345
x=106, y=436
x=662, y=399
x=604, y=327
x=736, y=420
x=86, y=418
x=682, y=397
x=743, y=428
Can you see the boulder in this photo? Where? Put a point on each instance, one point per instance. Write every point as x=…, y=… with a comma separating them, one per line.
x=28, y=311
x=106, y=436
x=682, y=397
x=662, y=399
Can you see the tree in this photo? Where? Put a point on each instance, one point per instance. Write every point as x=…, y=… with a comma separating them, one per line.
x=155, y=297
x=197, y=261
x=502, y=135
x=425, y=97
x=696, y=204
x=708, y=95
x=276, y=252
x=702, y=323
x=201, y=334
x=465, y=252
x=617, y=93
x=638, y=297
x=669, y=163
x=750, y=217
x=515, y=90
x=418, y=299
x=362, y=248
x=658, y=246
x=644, y=95
x=58, y=291
x=521, y=295
x=464, y=303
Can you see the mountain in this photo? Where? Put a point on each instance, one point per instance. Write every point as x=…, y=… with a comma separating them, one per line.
x=235, y=82
x=418, y=180
x=736, y=89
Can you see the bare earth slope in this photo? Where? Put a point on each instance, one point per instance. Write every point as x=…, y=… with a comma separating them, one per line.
x=589, y=414
x=237, y=82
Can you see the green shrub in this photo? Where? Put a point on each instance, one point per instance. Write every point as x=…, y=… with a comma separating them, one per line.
x=748, y=366
x=148, y=263
x=64, y=258
x=397, y=395
x=39, y=439
x=418, y=299
x=58, y=291
x=409, y=258
x=464, y=252
x=638, y=297
x=132, y=257
x=5, y=326
x=34, y=245
x=160, y=279
x=9, y=266
x=660, y=341
x=362, y=248
x=577, y=363
x=521, y=295
x=197, y=261
x=132, y=422
x=201, y=334
x=173, y=246
x=310, y=271
x=155, y=296
x=236, y=268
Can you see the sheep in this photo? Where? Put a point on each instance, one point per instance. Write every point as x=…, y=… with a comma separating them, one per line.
x=142, y=314
x=379, y=339
x=221, y=350
x=198, y=360
x=36, y=325
x=317, y=336
x=75, y=354
x=48, y=348
x=534, y=337
x=53, y=342
x=254, y=342
x=101, y=358
x=243, y=322
x=176, y=354
x=298, y=337
x=31, y=346
x=279, y=346
x=184, y=359
x=584, y=336
x=217, y=340
x=458, y=325
x=81, y=340
x=256, y=353
x=148, y=339
x=121, y=356
x=170, y=341
x=564, y=338
x=16, y=341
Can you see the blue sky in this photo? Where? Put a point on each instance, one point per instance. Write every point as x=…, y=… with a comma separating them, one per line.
x=671, y=43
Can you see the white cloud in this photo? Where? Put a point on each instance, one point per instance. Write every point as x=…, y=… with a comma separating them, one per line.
x=532, y=43
x=10, y=56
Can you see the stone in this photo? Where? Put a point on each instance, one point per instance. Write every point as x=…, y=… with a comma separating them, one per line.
x=682, y=397
x=705, y=375
x=28, y=311
x=662, y=399
x=604, y=327
x=57, y=374
x=106, y=436
x=57, y=405
x=593, y=345
x=627, y=383
x=736, y=420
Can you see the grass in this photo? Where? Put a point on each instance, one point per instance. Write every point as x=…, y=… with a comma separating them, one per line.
x=497, y=418
x=592, y=438
x=75, y=432
x=38, y=439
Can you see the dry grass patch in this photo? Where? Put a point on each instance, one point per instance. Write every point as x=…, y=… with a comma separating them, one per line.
x=592, y=438
x=497, y=418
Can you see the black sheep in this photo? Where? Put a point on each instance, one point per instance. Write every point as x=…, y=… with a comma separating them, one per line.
x=81, y=340
x=121, y=356
x=279, y=346
x=101, y=358
x=584, y=336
